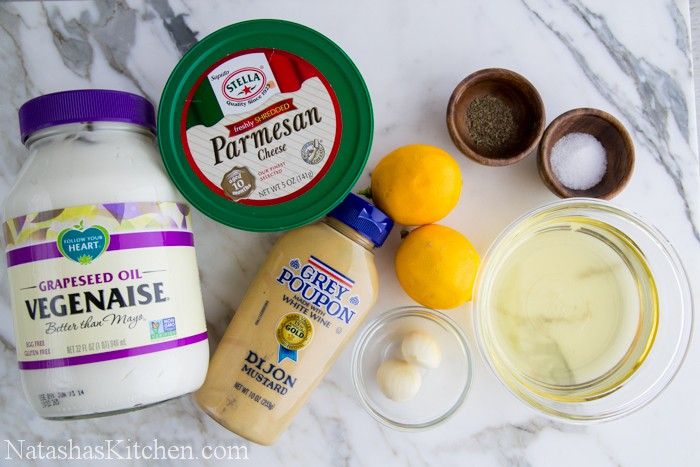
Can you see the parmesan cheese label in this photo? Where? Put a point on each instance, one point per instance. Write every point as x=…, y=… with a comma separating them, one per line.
x=262, y=127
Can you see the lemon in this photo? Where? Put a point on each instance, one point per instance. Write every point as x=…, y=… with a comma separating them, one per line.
x=416, y=184
x=436, y=266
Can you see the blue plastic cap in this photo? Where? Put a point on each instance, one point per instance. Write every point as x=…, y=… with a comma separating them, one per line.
x=363, y=217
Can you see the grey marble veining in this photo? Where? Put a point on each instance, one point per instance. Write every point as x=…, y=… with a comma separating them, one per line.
x=175, y=24
x=663, y=101
x=630, y=58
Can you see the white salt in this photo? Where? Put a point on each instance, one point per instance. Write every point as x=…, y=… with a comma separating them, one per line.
x=578, y=161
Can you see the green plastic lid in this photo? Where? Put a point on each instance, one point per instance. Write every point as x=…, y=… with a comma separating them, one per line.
x=265, y=125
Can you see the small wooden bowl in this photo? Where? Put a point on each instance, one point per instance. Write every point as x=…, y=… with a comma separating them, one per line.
x=517, y=93
x=612, y=135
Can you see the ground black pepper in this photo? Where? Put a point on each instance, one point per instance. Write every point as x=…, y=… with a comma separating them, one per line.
x=492, y=126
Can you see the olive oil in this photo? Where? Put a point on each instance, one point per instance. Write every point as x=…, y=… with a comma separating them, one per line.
x=573, y=309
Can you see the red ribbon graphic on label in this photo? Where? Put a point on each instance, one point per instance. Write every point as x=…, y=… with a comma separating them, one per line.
x=261, y=117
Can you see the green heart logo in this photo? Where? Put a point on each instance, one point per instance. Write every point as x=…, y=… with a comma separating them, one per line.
x=83, y=245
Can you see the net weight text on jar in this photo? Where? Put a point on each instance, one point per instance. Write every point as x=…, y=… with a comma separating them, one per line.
x=253, y=396
x=94, y=346
x=291, y=181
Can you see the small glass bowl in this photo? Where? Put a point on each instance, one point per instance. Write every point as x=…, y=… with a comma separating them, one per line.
x=667, y=348
x=443, y=389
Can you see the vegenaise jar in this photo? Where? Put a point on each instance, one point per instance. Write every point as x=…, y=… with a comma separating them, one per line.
x=104, y=282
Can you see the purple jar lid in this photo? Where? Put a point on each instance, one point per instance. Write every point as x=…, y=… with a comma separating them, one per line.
x=85, y=105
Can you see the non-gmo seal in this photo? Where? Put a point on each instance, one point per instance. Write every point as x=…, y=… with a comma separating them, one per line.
x=313, y=152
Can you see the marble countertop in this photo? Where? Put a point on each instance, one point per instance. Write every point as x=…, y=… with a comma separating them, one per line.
x=630, y=58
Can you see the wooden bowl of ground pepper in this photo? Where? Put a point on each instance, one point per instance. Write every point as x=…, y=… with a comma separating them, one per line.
x=495, y=117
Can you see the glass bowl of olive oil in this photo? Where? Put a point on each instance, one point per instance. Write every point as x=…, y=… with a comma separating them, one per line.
x=583, y=310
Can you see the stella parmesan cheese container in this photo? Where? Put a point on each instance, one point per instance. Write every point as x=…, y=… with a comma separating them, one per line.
x=265, y=125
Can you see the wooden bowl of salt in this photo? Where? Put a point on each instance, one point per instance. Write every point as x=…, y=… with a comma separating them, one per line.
x=586, y=152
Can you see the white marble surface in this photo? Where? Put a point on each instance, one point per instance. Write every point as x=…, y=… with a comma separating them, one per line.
x=628, y=57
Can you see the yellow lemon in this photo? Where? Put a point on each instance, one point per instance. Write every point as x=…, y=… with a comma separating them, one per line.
x=416, y=184
x=436, y=266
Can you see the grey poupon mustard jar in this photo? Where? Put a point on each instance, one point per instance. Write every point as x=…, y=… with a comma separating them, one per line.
x=310, y=296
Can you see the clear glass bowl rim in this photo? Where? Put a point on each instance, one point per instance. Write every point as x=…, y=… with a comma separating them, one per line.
x=671, y=256
x=381, y=320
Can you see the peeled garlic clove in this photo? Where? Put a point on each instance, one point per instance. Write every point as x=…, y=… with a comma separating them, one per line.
x=398, y=380
x=421, y=349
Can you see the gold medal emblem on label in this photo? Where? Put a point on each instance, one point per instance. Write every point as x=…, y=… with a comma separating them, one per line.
x=294, y=331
